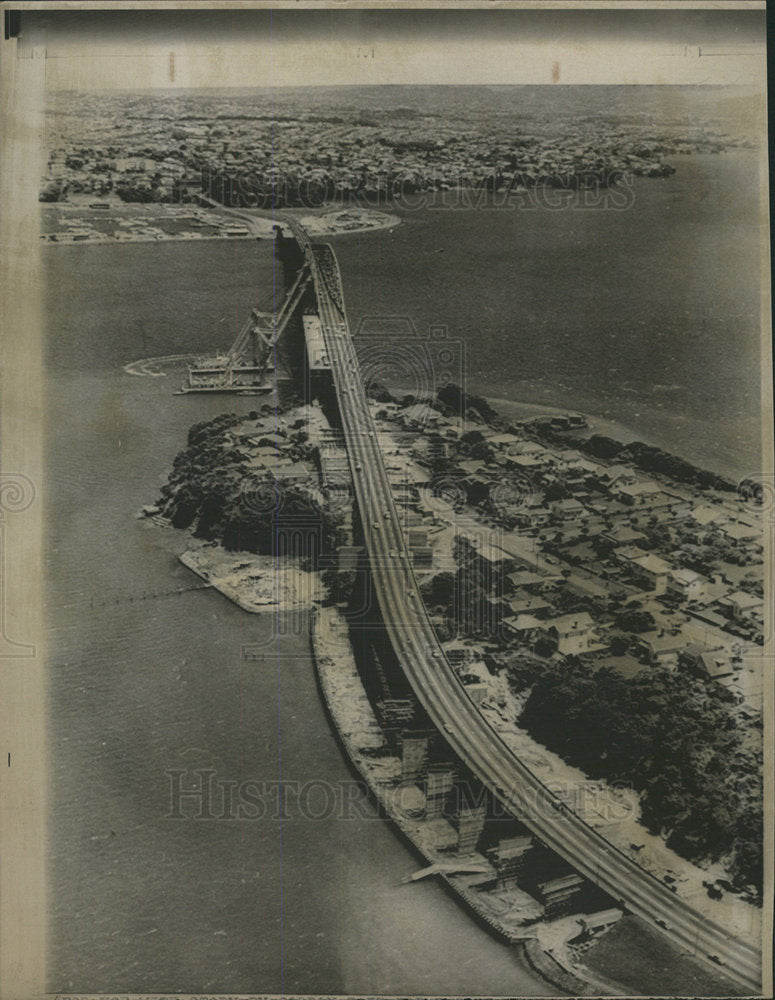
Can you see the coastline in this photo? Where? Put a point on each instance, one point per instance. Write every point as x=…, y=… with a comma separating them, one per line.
x=329, y=222
x=663, y=426
x=518, y=410
x=543, y=945
x=339, y=225
x=255, y=583
x=357, y=729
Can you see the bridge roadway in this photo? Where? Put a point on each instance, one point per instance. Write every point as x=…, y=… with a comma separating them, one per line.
x=444, y=697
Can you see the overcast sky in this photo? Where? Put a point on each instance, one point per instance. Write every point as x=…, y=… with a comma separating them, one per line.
x=94, y=49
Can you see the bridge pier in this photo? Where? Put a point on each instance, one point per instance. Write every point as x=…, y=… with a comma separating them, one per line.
x=414, y=755
x=470, y=824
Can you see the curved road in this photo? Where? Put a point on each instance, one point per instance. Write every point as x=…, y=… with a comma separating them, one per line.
x=444, y=697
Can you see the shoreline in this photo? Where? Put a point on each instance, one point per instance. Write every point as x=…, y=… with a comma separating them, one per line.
x=508, y=409
x=663, y=427
x=255, y=583
x=234, y=589
x=356, y=729
x=595, y=425
x=520, y=410
x=328, y=222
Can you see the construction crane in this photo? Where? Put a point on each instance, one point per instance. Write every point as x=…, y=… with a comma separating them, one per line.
x=244, y=367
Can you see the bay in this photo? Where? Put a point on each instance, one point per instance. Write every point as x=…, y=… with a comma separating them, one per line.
x=647, y=317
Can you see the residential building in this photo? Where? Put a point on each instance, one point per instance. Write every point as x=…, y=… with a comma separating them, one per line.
x=684, y=584
x=740, y=604
x=652, y=572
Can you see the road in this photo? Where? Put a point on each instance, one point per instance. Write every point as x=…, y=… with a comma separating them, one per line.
x=444, y=698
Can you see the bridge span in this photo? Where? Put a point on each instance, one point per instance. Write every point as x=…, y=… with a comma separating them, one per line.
x=443, y=695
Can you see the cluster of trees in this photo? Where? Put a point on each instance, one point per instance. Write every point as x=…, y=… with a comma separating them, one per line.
x=456, y=400
x=651, y=459
x=642, y=456
x=143, y=191
x=463, y=602
x=215, y=491
x=53, y=191
x=522, y=667
x=673, y=737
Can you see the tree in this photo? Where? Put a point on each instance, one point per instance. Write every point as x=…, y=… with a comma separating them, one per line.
x=51, y=192
x=677, y=744
x=546, y=644
x=619, y=644
x=634, y=620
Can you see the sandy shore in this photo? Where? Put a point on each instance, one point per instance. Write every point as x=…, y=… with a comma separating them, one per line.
x=256, y=583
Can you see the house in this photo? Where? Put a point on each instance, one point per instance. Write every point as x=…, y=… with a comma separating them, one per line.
x=703, y=614
x=534, y=583
x=525, y=578
x=662, y=501
x=569, y=456
x=652, y=572
x=579, y=623
x=475, y=467
x=586, y=466
x=740, y=604
x=705, y=515
x=679, y=507
x=661, y=649
x=637, y=494
x=740, y=532
x=420, y=415
x=491, y=556
x=529, y=448
x=714, y=665
x=590, y=923
x=568, y=509
x=618, y=475
x=576, y=645
x=623, y=534
x=508, y=442
x=530, y=605
x=532, y=517
x=575, y=633
x=684, y=584
x=522, y=626
x=523, y=461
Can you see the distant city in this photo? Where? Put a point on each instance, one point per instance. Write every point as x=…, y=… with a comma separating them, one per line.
x=275, y=150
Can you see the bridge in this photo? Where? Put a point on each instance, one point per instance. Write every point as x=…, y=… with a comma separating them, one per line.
x=443, y=695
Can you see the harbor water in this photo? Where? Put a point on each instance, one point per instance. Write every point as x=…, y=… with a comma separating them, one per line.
x=630, y=315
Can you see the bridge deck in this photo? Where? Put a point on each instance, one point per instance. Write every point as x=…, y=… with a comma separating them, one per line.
x=443, y=695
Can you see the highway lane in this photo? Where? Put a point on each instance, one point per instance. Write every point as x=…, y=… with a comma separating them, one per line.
x=446, y=701
x=448, y=705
